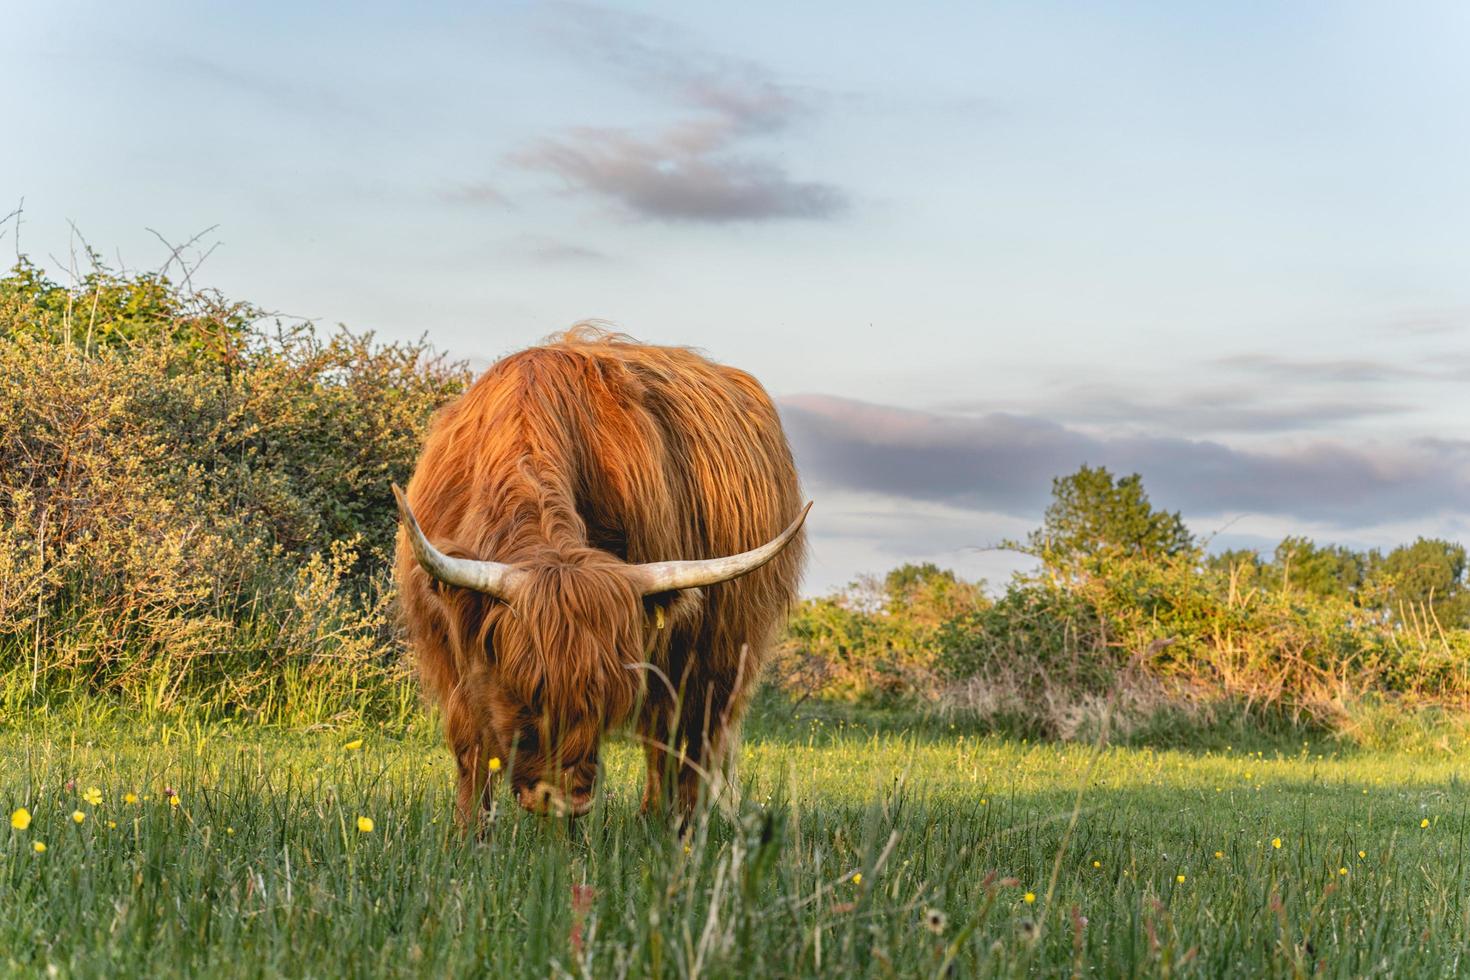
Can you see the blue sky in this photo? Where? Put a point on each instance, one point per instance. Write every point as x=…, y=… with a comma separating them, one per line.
x=967, y=246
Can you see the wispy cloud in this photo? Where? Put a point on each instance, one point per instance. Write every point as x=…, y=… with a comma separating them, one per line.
x=1215, y=409
x=294, y=93
x=1424, y=323
x=1336, y=370
x=1450, y=364
x=707, y=167
x=478, y=192
x=1248, y=393
x=551, y=251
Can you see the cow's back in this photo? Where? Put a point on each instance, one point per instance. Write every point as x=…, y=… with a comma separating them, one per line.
x=728, y=484
x=654, y=453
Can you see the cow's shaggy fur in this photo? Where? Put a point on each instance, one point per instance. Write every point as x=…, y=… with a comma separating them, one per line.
x=572, y=460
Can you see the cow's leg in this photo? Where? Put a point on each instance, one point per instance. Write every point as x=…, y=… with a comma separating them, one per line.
x=657, y=733
x=709, y=732
x=467, y=733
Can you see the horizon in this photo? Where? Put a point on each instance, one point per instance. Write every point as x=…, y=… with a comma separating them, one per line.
x=966, y=253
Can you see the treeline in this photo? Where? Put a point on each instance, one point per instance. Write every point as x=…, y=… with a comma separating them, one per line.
x=1127, y=616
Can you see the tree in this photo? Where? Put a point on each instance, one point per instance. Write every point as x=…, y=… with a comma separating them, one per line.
x=1095, y=515
x=1427, y=575
x=927, y=595
x=1328, y=571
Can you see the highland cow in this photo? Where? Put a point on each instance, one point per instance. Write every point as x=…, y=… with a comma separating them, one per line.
x=599, y=534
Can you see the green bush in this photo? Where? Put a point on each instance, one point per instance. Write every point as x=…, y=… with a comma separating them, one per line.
x=1126, y=622
x=875, y=641
x=193, y=499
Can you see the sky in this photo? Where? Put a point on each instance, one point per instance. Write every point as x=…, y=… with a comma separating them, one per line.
x=966, y=247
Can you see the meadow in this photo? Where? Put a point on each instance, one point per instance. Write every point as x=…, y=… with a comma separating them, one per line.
x=1143, y=758
x=861, y=847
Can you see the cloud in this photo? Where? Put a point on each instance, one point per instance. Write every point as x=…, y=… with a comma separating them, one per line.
x=1243, y=393
x=1424, y=322
x=293, y=93
x=673, y=179
x=1005, y=463
x=704, y=168
x=1451, y=365
x=478, y=192
x=1325, y=371
x=551, y=251
x=1232, y=408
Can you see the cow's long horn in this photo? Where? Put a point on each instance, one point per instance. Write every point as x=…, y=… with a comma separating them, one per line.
x=490, y=577
x=666, y=576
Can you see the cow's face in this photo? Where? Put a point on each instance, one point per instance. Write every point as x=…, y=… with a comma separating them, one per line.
x=564, y=653
x=568, y=634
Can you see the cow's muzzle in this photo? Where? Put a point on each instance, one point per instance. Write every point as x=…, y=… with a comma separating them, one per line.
x=550, y=800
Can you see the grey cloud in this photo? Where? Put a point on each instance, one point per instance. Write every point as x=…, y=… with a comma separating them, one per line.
x=673, y=179
x=1006, y=463
x=703, y=168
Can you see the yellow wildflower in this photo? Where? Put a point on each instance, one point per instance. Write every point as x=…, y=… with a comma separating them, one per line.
x=39, y=847
x=1029, y=897
x=1097, y=864
x=494, y=763
x=1276, y=843
x=173, y=799
x=1362, y=854
x=78, y=816
x=1219, y=854
x=1342, y=871
x=130, y=797
x=112, y=825
x=1179, y=878
x=353, y=745
x=20, y=819
x=93, y=796
x=857, y=879
x=1424, y=823
x=365, y=825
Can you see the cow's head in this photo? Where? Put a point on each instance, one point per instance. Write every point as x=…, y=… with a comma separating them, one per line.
x=570, y=637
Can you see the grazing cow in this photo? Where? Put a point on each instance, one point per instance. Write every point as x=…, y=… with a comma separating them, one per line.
x=616, y=535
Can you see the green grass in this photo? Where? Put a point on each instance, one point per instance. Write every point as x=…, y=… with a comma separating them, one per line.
x=261, y=871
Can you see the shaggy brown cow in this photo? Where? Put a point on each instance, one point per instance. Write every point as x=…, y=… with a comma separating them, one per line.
x=607, y=524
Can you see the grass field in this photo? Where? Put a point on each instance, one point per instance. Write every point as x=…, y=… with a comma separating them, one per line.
x=856, y=852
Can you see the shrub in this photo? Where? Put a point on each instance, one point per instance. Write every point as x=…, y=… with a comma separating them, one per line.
x=875, y=641
x=194, y=501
